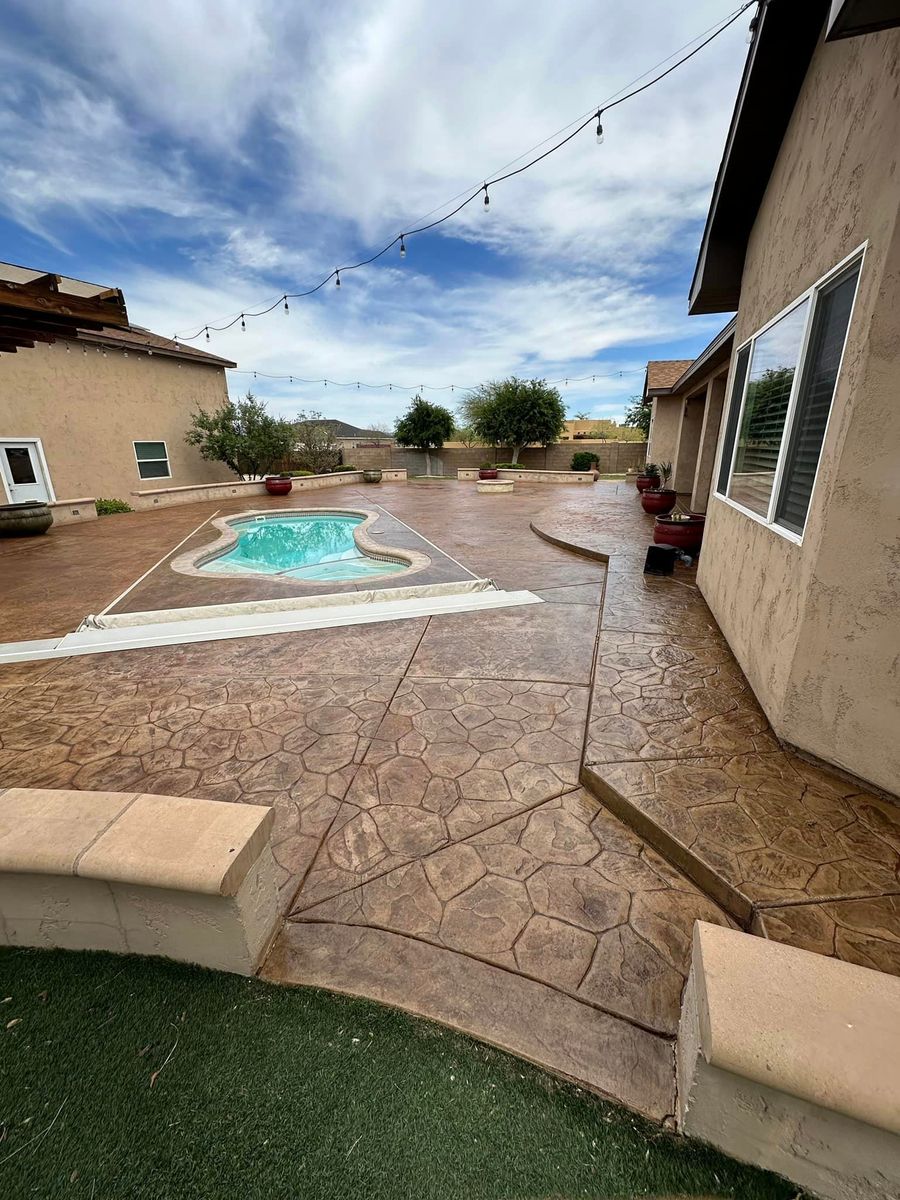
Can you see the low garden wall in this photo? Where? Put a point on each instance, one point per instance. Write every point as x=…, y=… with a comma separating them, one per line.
x=70, y=512
x=531, y=476
x=194, y=493
x=189, y=879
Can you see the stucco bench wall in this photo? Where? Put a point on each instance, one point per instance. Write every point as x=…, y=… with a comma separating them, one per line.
x=530, y=476
x=188, y=879
x=231, y=488
x=789, y=1060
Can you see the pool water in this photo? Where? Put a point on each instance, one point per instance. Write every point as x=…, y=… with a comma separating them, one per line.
x=309, y=546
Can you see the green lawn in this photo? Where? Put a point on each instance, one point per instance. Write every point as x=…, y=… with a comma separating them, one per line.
x=134, y=1078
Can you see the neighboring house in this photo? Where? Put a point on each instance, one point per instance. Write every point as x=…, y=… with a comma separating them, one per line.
x=687, y=398
x=800, y=562
x=350, y=436
x=102, y=412
x=586, y=429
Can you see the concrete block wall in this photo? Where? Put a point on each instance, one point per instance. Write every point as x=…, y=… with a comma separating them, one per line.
x=615, y=457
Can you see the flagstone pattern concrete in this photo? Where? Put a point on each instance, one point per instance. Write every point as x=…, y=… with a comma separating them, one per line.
x=506, y=821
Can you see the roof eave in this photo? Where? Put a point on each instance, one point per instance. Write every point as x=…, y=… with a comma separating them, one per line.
x=776, y=66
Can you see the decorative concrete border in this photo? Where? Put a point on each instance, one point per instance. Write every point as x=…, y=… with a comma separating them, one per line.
x=191, y=562
x=529, y=475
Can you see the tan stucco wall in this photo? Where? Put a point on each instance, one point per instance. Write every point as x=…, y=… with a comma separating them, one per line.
x=815, y=627
x=664, y=426
x=87, y=410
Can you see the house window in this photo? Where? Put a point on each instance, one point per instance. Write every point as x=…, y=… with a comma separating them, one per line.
x=152, y=460
x=783, y=385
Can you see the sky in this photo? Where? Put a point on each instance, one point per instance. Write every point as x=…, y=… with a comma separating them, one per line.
x=208, y=155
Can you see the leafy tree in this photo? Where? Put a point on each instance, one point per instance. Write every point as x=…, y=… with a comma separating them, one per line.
x=242, y=435
x=638, y=413
x=315, y=443
x=515, y=412
x=581, y=416
x=424, y=426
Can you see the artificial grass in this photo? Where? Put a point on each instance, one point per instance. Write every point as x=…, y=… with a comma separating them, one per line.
x=140, y=1078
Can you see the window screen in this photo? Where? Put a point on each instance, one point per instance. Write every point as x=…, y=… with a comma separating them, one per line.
x=152, y=460
x=817, y=384
x=772, y=366
x=734, y=413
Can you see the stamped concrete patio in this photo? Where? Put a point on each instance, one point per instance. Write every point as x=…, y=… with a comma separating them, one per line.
x=507, y=821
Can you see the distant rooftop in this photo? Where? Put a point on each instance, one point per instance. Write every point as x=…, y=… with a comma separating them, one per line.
x=340, y=429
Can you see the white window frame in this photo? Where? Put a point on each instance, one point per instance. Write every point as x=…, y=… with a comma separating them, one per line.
x=138, y=461
x=812, y=295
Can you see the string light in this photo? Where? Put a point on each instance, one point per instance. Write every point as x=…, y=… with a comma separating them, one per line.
x=286, y=308
x=243, y=323
x=500, y=178
x=207, y=333
x=420, y=387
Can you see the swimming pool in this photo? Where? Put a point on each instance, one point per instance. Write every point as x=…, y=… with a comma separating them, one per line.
x=319, y=547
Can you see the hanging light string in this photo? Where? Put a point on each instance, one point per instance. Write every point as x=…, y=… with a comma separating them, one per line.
x=421, y=387
x=481, y=190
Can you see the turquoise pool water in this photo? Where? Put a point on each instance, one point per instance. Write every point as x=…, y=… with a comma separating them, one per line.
x=315, y=547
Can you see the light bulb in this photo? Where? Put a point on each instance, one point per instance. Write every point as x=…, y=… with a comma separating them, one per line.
x=599, y=129
x=207, y=333
x=149, y=353
x=291, y=378
x=286, y=308
x=124, y=353
x=84, y=349
x=487, y=199
x=402, y=247
x=68, y=351
x=337, y=279
x=243, y=323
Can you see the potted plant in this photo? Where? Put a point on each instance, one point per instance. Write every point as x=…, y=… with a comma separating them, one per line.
x=279, y=485
x=684, y=530
x=487, y=470
x=648, y=478
x=372, y=475
x=659, y=499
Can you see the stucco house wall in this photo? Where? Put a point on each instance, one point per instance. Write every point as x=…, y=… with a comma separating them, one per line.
x=665, y=423
x=815, y=626
x=88, y=409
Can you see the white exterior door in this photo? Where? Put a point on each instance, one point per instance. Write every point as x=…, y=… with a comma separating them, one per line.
x=23, y=472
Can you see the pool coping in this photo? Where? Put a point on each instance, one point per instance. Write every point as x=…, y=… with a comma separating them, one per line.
x=192, y=561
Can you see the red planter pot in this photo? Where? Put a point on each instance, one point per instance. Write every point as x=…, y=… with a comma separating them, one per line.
x=646, y=481
x=686, y=535
x=278, y=487
x=657, y=503
x=487, y=473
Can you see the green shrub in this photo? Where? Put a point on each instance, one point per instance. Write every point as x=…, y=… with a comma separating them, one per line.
x=106, y=507
x=509, y=466
x=487, y=465
x=584, y=460
x=299, y=474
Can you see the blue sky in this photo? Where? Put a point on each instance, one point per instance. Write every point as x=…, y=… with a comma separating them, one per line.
x=204, y=156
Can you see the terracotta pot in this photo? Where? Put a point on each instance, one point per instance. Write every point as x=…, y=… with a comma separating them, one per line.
x=646, y=481
x=372, y=476
x=24, y=520
x=278, y=487
x=487, y=473
x=686, y=535
x=658, y=502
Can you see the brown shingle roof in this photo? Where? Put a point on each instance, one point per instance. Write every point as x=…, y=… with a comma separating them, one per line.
x=135, y=336
x=665, y=372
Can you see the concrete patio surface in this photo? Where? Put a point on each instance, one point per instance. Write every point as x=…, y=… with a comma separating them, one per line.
x=507, y=821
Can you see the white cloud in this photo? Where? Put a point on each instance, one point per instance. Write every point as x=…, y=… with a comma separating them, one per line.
x=269, y=142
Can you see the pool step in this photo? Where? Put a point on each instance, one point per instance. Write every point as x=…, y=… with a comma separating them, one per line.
x=202, y=627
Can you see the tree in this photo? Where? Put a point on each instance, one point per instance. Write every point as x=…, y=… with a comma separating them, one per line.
x=515, y=412
x=638, y=412
x=582, y=416
x=242, y=435
x=466, y=434
x=315, y=444
x=424, y=426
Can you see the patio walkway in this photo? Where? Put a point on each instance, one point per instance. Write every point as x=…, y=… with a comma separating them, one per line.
x=439, y=841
